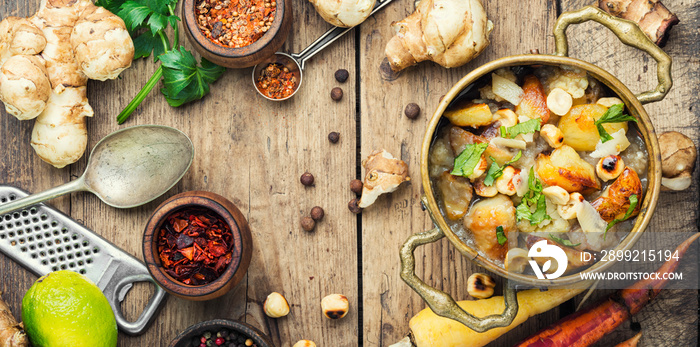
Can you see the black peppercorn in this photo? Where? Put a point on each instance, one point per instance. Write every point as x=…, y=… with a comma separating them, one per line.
x=412, y=111
x=307, y=179
x=336, y=94
x=342, y=75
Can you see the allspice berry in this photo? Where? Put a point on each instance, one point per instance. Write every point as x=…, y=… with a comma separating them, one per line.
x=353, y=206
x=336, y=94
x=342, y=75
x=356, y=186
x=412, y=111
x=317, y=213
x=307, y=223
x=333, y=137
x=307, y=179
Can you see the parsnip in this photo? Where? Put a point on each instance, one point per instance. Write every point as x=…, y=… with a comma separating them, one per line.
x=45, y=62
x=430, y=330
x=448, y=32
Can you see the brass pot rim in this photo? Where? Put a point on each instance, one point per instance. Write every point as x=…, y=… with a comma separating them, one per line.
x=633, y=105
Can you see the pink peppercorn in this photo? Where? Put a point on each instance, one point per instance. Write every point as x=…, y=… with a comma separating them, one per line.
x=219, y=341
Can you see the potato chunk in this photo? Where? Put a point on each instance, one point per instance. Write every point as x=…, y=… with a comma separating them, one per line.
x=469, y=114
x=456, y=193
x=579, y=129
x=564, y=168
x=534, y=102
x=483, y=219
x=614, y=201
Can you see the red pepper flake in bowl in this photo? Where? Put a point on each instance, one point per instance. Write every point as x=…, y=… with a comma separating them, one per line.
x=194, y=246
x=276, y=81
x=235, y=23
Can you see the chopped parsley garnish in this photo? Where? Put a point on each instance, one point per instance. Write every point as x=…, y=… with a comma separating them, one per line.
x=501, y=236
x=612, y=115
x=521, y=128
x=496, y=171
x=633, y=204
x=533, y=197
x=468, y=159
x=561, y=241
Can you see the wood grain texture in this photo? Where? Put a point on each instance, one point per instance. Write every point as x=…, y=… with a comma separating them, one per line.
x=253, y=151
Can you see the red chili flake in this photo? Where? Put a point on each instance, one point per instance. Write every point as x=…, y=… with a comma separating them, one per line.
x=195, y=246
x=276, y=81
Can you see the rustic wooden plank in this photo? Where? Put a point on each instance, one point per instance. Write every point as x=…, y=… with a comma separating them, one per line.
x=388, y=302
x=251, y=151
x=671, y=320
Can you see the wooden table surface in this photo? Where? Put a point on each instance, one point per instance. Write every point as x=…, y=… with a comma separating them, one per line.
x=253, y=152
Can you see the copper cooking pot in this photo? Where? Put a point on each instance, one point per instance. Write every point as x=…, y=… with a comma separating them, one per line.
x=630, y=34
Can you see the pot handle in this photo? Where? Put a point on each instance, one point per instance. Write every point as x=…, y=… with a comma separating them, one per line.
x=630, y=34
x=442, y=303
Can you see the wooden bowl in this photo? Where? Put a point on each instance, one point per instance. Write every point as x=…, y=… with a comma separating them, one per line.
x=185, y=337
x=242, y=245
x=241, y=57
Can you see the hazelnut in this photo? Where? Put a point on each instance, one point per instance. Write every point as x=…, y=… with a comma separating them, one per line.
x=335, y=306
x=479, y=169
x=342, y=75
x=336, y=94
x=480, y=286
x=516, y=260
x=609, y=167
x=568, y=211
x=412, y=111
x=552, y=135
x=308, y=223
x=356, y=186
x=304, y=343
x=276, y=305
x=317, y=213
x=559, y=101
x=506, y=183
x=354, y=207
x=334, y=137
x=483, y=190
x=556, y=194
x=307, y=179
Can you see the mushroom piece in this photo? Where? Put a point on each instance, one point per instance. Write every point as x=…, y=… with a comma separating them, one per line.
x=383, y=174
x=678, y=154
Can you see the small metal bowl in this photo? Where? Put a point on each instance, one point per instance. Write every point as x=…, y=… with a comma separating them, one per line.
x=241, y=254
x=241, y=57
x=185, y=337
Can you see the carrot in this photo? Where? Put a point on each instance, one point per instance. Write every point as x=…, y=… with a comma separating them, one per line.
x=631, y=342
x=587, y=326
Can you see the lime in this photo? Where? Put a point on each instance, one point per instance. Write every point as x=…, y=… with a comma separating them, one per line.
x=65, y=308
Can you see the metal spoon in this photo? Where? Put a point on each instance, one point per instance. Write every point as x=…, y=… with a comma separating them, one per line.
x=127, y=168
x=295, y=62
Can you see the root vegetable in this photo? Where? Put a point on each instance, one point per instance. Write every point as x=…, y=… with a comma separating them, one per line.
x=11, y=332
x=587, y=326
x=344, y=13
x=448, y=32
x=430, y=330
x=651, y=15
x=76, y=41
x=383, y=174
x=631, y=342
x=678, y=154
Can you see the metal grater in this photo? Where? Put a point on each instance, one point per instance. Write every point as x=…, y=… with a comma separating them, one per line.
x=42, y=239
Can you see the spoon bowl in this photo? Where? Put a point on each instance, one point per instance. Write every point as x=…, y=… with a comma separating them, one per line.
x=284, y=59
x=127, y=168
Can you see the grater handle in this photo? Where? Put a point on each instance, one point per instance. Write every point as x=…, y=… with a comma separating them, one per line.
x=138, y=326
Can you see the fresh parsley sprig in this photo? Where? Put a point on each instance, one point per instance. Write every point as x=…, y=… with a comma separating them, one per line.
x=183, y=79
x=521, y=128
x=501, y=236
x=533, y=197
x=496, y=171
x=466, y=161
x=612, y=115
x=564, y=242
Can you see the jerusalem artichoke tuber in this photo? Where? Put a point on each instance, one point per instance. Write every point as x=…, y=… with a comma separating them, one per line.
x=448, y=32
x=344, y=13
x=76, y=40
x=11, y=333
x=651, y=15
